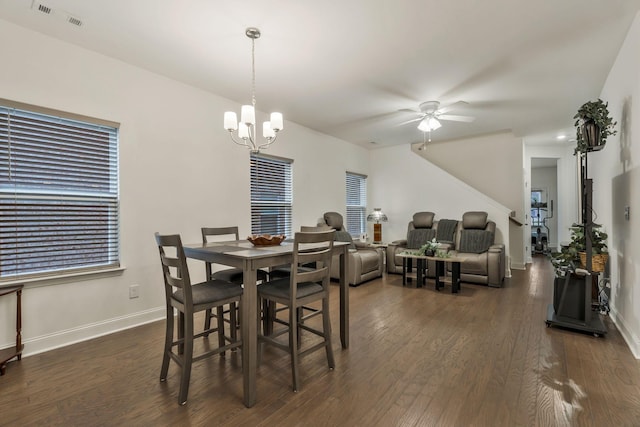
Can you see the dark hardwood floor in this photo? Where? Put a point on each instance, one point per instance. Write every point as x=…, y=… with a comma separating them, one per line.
x=417, y=357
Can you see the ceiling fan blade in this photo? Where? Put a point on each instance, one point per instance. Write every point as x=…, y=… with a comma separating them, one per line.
x=453, y=118
x=452, y=106
x=409, y=110
x=410, y=121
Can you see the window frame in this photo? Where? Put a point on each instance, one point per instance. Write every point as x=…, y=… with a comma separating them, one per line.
x=269, y=195
x=45, y=197
x=356, y=203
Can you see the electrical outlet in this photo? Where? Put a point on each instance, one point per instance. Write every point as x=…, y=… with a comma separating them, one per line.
x=134, y=291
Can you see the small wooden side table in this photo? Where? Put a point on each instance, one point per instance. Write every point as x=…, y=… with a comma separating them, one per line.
x=9, y=353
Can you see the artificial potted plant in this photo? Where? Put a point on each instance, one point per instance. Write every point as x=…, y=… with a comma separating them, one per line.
x=593, y=126
x=430, y=248
x=575, y=251
x=599, y=249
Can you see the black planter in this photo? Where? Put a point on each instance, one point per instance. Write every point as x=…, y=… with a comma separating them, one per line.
x=573, y=305
x=429, y=252
x=591, y=136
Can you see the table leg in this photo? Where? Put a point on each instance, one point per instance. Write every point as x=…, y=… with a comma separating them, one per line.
x=419, y=268
x=249, y=330
x=19, y=324
x=455, y=277
x=404, y=271
x=344, y=299
x=440, y=269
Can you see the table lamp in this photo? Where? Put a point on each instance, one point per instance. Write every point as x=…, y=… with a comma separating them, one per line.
x=377, y=215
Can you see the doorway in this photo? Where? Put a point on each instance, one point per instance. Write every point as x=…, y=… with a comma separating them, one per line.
x=544, y=199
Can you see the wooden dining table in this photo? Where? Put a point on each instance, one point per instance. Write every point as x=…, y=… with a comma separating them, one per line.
x=243, y=254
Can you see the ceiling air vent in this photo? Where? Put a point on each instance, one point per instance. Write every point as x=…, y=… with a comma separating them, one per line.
x=73, y=20
x=41, y=8
x=58, y=14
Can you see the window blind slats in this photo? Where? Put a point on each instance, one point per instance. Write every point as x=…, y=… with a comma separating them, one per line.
x=271, y=196
x=356, y=190
x=59, y=207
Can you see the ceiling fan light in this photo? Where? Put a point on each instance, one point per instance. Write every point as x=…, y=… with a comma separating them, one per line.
x=424, y=125
x=428, y=124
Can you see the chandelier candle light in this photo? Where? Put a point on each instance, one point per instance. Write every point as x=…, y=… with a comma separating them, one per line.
x=246, y=128
x=377, y=215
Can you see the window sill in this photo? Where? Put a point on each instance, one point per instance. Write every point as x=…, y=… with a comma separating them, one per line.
x=36, y=282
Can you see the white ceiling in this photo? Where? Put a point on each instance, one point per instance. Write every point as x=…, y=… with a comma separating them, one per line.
x=345, y=67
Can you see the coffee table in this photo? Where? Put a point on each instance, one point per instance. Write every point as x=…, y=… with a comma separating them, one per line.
x=441, y=276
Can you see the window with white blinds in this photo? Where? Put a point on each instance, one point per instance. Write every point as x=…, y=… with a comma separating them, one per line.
x=58, y=194
x=271, y=195
x=356, y=203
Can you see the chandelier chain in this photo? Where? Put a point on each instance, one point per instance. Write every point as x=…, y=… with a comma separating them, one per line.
x=253, y=72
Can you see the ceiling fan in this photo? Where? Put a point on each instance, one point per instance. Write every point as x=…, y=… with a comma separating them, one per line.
x=430, y=113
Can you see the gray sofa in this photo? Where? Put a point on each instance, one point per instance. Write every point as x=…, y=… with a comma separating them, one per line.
x=473, y=237
x=363, y=262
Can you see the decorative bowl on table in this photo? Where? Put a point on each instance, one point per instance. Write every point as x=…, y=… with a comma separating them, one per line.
x=266, y=239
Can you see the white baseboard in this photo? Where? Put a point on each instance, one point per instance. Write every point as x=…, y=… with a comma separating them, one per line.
x=94, y=330
x=632, y=340
x=518, y=266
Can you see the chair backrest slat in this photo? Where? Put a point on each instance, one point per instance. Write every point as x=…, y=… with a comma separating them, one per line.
x=218, y=232
x=312, y=247
x=174, y=268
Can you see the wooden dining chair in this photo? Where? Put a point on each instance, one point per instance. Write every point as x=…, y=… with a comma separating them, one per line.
x=303, y=287
x=284, y=271
x=233, y=275
x=189, y=299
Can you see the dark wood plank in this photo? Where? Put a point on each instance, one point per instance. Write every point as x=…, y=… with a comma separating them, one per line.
x=416, y=357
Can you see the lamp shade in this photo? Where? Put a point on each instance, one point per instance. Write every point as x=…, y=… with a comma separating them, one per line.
x=243, y=130
x=276, y=121
x=377, y=215
x=230, y=121
x=267, y=132
x=428, y=124
x=248, y=115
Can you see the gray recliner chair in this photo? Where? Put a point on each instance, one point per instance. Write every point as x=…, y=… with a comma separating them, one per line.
x=420, y=230
x=363, y=262
x=485, y=259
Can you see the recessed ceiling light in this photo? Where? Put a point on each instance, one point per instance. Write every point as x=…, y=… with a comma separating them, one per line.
x=561, y=137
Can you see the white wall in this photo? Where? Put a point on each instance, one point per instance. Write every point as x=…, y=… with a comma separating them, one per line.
x=476, y=167
x=404, y=183
x=178, y=172
x=616, y=179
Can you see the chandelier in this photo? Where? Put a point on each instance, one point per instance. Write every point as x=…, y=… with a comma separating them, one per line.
x=245, y=130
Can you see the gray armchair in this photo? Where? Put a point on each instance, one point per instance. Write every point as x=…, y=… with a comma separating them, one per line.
x=420, y=230
x=475, y=240
x=363, y=262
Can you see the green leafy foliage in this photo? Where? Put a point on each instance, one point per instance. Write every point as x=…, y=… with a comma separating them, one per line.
x=569, y=254
x=598, y=113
